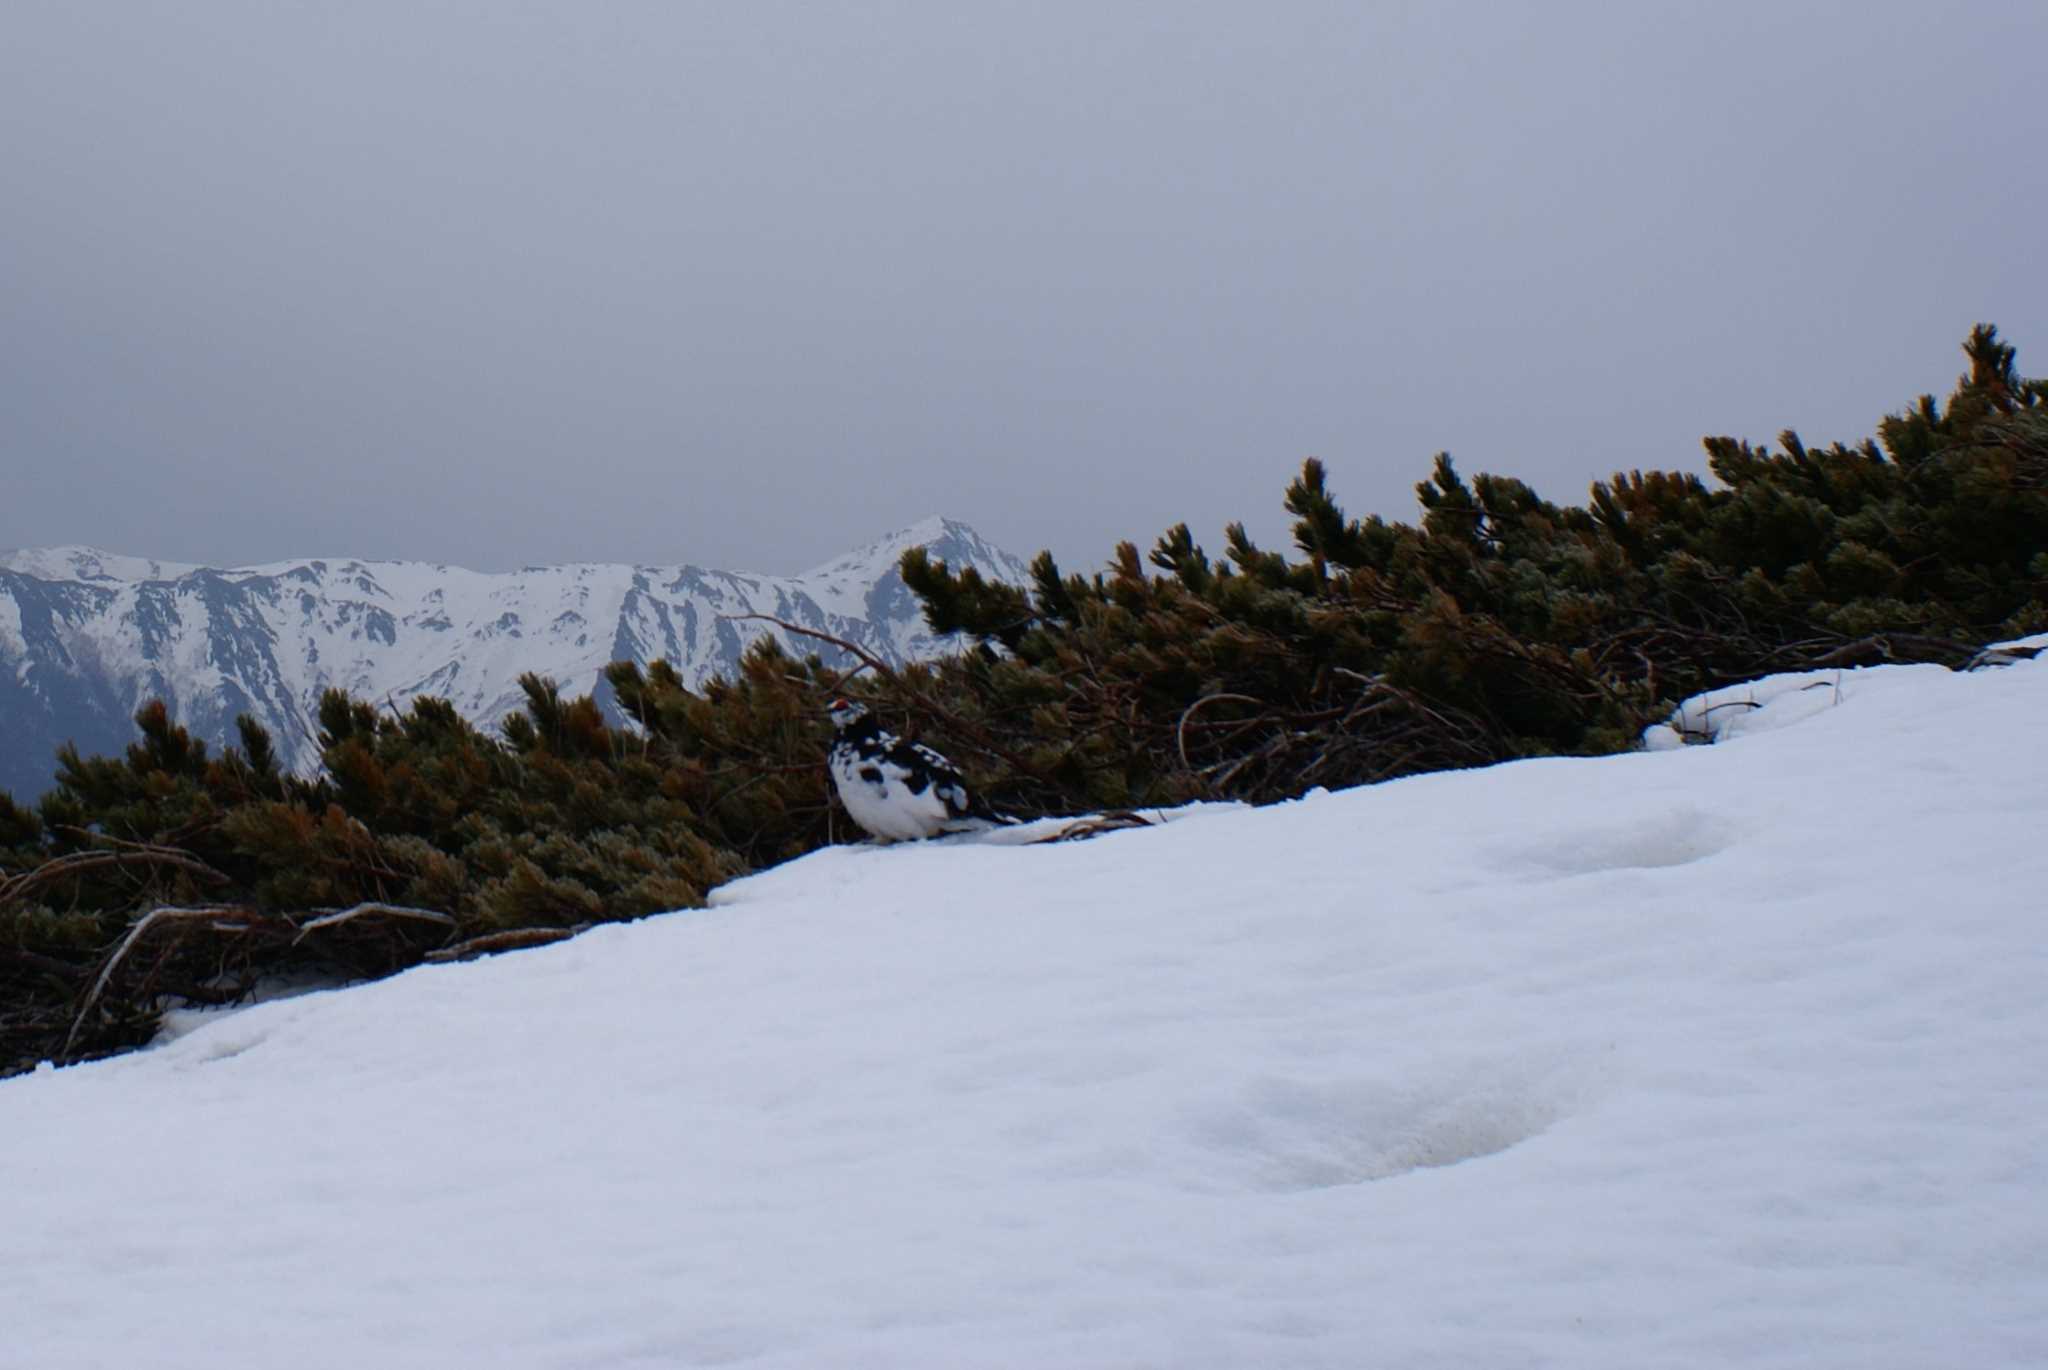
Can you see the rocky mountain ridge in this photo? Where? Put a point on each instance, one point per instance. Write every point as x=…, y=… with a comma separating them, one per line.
x=87, y=636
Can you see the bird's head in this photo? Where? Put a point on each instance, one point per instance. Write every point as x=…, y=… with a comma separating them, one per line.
x=844, y=713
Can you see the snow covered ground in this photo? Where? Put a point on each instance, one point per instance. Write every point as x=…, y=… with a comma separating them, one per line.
x=1711, y=1056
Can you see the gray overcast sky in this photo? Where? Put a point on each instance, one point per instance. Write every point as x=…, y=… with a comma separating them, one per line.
x=747, y=284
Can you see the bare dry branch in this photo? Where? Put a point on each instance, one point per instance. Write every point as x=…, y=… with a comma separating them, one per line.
x=330, y=917
x=78, y=863
x=859, y=653
x=1114, y=821
x=510, y=940
x=1892, y=647
x=1180, y=730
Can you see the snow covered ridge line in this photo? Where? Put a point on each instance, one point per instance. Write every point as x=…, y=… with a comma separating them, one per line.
x=86, y=636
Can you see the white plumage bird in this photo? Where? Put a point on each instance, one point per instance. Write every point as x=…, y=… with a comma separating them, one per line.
x=898, y=790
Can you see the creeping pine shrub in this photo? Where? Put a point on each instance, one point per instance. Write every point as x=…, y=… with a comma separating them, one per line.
x=1498, y=625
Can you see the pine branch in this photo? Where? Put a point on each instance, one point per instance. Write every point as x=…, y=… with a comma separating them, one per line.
x=861, y=654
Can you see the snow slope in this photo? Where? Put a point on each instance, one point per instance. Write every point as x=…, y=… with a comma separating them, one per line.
x=1727, y=1055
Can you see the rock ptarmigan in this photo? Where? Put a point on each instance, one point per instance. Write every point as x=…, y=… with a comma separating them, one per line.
x=894, y=789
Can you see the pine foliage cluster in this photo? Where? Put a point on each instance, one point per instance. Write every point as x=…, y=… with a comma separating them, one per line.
x=170, y=874
x=1499, y=625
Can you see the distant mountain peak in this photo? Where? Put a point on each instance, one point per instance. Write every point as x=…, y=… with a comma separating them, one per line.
x=89, y=563
x=887, y=550
x=87, y=636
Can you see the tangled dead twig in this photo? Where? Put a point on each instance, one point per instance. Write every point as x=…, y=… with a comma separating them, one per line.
x=1889, y=647
x=255, y=935
x=1180, y=729
x=78, y=863
x=141, y=928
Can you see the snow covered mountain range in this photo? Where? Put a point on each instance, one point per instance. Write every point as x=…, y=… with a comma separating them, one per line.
x=87, y=636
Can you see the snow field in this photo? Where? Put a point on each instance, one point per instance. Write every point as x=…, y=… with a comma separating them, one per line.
x=1719, y=1055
